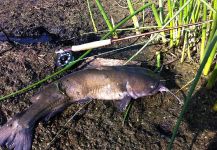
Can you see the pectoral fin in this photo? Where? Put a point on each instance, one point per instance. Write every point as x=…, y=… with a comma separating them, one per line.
x=55, y=111
x=122, y=104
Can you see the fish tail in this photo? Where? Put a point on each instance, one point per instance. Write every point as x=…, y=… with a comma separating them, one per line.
x=16, y=136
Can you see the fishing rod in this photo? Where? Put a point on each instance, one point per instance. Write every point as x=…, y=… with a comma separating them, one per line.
x=64, y=56
x=101, y=43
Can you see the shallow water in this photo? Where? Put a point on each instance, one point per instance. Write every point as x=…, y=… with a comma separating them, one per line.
x=44, y=38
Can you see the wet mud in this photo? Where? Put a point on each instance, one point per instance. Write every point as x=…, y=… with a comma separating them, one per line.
x=99, y=125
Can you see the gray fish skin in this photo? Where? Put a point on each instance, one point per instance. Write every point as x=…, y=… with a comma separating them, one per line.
x=103, y=83
x=111, y=83
x=17, y=133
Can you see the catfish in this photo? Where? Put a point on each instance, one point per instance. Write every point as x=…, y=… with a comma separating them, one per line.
x=117, y=83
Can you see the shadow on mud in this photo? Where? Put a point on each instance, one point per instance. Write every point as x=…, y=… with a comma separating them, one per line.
x=200, y=116
x=3, y=118
x=41, y=35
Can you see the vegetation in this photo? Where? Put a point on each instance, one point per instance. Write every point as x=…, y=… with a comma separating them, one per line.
x=172, y=15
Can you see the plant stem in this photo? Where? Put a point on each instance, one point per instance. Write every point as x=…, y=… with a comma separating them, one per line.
x=129, y=17
x=191, y=90
x=134, y=18
x=208, y=6
x=180, y=22
x=127, y=112
x=91, y=17
x=170, y=7
x=105, y=17
x=185, y=14
x=197, y=12
x=157, y=19
x=158, y=60
x=212, y=78
x=185, y=45
x=152, y=38
x=203, y=38
x=213, y=30
x=161, y=12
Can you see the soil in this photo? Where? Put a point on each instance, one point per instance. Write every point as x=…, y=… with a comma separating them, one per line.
x=100, y=124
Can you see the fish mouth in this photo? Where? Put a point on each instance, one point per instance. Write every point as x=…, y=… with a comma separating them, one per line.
x=156, y=88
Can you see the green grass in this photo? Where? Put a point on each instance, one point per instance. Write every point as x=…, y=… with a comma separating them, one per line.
x=91, y=17
x=176, y=13
x=209, y=49
x=106, y=18
x=134, y=18
x=210, y=36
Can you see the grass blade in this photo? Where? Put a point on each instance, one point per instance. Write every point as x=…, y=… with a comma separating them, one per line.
x=134, y=18
x=212, y=78
x=105, y=17
x=91, y=16
x=130, y=16
x=197, y=12
x=191, y=90
x=208, y=6
x=153, y=37
x=203, y=38
x=170, y=9
x=127, y=112
x=157, y=19
x=180, y=22
x=161, y=12
x=158, y=64
x=213, y=30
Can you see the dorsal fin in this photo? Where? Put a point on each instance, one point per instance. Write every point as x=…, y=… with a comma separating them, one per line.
x=98, y=62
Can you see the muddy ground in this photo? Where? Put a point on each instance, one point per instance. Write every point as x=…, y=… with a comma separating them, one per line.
x=99, y=125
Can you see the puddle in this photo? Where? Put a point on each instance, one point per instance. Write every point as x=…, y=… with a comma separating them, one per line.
x=44, y=38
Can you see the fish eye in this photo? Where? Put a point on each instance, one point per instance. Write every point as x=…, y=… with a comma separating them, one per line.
x=152, y=86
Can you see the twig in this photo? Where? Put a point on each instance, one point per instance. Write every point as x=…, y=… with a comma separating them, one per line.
x=189, y=82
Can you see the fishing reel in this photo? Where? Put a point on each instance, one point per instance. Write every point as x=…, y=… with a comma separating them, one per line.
x=64, y=58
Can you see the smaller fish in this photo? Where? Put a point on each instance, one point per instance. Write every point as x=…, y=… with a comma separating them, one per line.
x=118, y=83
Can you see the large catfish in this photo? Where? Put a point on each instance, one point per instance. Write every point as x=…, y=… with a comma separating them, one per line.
x=118, y=83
